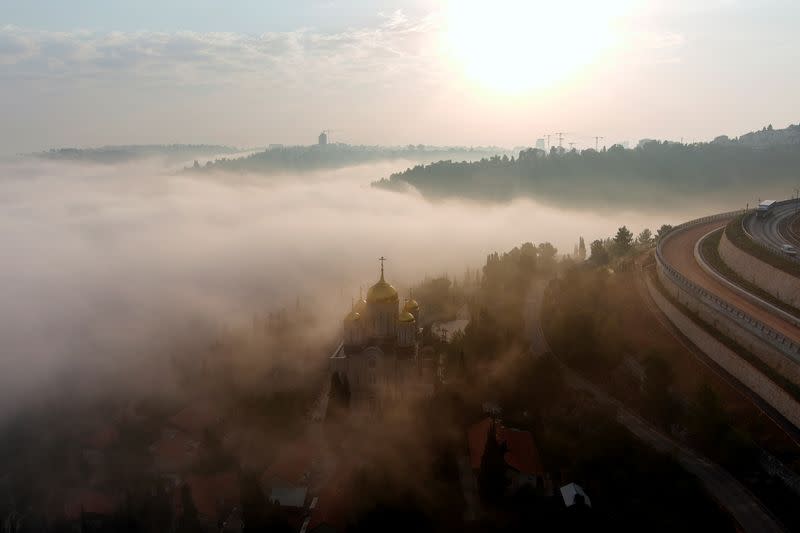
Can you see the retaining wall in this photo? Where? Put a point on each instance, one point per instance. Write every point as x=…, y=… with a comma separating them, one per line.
x=730, y=325
x=729, y=360
x=776, y=350
x=782, y=285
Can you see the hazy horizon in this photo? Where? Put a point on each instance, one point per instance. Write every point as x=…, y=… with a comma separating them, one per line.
x=90, y=74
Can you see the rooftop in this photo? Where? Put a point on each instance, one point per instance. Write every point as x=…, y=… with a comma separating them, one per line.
x=522, y=454
x=570, y=491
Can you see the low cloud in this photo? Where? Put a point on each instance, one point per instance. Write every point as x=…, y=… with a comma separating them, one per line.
x=105, y=266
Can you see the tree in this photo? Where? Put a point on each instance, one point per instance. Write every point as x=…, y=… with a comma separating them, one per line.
x=663, y=230
x=645, y=238
x=527, y=259
x=599, y=253
x=623, y=241
x=492, y=480
x=658, y=381
x=339, y=396
x=547, y=255
x=188, y=521
x=346, y=392
x=708, y=421
x=258, y=514
x=335, y=394
x=581, y=249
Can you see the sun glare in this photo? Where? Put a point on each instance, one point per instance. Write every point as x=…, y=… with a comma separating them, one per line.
x=513, y=46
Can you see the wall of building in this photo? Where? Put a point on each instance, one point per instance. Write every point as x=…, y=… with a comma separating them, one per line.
x=720, y=353
x=778, y=283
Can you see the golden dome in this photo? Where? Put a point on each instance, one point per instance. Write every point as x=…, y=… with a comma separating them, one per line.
x=352, y=316
x=382, y=292
x=405, y=316
x=361, y=305
x=411, y=305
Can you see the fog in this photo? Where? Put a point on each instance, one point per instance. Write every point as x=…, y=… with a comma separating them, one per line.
x=104, y=267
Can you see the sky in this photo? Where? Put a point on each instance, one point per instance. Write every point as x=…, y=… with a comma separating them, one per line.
x=249, y=73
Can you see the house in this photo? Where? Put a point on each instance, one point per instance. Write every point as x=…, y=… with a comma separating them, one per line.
x=522, y=460
x=573, y=494
x=294, y=497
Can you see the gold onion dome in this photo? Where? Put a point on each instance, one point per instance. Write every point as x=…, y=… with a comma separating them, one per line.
x=405, y=316
x=411, y=305
x=382, y=292
x=352, y=316
x=361, y=305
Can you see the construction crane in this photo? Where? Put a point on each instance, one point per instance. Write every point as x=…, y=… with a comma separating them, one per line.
x=560, y=135
x=597, y=142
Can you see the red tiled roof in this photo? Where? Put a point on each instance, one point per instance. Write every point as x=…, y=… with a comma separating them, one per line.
x=476, y=439
x=522, y=454
x=215, y=493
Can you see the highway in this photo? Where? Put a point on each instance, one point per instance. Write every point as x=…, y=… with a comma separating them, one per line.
x=740, y=503
x=769, y=230
x=678, y=251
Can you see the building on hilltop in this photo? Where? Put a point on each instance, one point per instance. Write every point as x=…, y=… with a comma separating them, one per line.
x=379, y=359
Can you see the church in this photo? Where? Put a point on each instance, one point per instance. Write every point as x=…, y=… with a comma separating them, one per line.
x=379, y=357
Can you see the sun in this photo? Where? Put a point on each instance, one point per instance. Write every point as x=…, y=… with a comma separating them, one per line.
x=514, y=46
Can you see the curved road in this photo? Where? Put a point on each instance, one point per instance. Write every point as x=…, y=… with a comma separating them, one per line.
x=678, y=251
x=768, y=230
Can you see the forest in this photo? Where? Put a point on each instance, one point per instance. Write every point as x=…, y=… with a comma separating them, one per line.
x=112, y=155
x=281, y=158
x=654, y=174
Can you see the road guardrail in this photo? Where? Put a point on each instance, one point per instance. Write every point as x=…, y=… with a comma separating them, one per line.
x=779, y=341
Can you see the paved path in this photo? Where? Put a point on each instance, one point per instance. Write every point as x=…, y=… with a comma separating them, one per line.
x=678, y=251
x=742, y=505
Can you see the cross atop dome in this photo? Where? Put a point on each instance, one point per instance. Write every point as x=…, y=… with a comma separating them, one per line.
x=381, y=259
